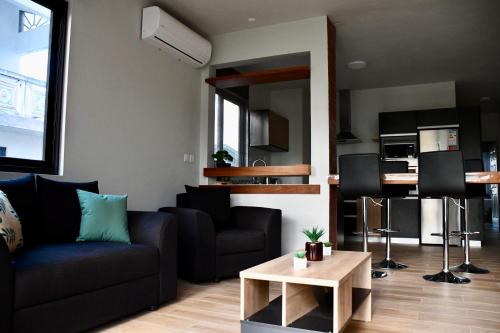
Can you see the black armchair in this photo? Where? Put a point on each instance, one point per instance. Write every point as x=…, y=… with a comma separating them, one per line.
x=207, y=253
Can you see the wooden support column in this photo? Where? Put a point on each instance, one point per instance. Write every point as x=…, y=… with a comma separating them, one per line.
x=332, y=116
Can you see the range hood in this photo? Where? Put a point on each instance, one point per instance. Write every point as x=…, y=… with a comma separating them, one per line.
x=268, y=131
x=345, y=135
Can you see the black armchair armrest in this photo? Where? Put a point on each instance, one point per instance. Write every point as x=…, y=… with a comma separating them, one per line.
x=6, y=288
x=196, y=244
x=265, y=219
x=160, y=230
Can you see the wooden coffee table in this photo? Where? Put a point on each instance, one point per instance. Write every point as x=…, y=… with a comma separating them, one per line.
x=322, y=298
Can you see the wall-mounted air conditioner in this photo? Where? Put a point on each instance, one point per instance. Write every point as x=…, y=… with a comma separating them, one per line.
x=173, y=37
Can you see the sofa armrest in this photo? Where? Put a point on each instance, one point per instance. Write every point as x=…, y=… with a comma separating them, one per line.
x=265, y=219
x=196, y=244
x=6, y=288
x=159, y=230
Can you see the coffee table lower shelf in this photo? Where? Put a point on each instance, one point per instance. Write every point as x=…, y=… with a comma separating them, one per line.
x=320, y=319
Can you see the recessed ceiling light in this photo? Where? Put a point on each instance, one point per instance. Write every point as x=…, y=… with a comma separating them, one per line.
x=485, y=99
x=251, y=19
x=357, y=64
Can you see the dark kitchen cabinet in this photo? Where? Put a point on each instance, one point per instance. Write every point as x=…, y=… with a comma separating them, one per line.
x=470, y=133
x=437, y=118
x=401, y=122
x=405, y=213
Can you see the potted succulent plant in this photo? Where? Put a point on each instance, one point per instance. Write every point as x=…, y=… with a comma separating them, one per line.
x=221, y=157
x=299, y=260
x=327, y=248
x=314, y=248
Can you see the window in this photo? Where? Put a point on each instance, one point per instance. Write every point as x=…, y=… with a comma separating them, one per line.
x=230, y=127
x=32, y=51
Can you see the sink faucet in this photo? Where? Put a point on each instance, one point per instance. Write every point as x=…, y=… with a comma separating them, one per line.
x=255, y=179
x=259, y=160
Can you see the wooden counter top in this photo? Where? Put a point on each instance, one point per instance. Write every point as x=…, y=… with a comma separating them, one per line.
x=270, y=189
x=412, y=178
x=260, y=171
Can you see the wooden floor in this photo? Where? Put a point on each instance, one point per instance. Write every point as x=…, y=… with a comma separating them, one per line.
x=402, y=302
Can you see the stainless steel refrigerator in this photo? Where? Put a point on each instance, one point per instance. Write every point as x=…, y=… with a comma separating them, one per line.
x=431, y=210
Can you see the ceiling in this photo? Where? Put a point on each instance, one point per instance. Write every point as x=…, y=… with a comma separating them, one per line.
x=403, y=42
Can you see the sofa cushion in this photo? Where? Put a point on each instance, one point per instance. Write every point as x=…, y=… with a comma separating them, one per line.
x=104, y=217
x=230, y=241
x=216, y=202
x=22, y=195
x=60, y=208
x=10, y=226
x=56, y=271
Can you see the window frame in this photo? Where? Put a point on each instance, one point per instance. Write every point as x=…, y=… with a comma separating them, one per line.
x=54, y=97
x=243, y=130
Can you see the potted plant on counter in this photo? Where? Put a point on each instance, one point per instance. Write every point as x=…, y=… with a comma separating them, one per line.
x=327, y=248
x=221, y=157
x=299, y=260
x=314, y=248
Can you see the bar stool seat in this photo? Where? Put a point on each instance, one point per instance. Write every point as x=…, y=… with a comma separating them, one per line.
x=360, y=178
x=441, y=175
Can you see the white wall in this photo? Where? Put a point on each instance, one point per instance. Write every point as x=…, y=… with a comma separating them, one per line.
x=366, y=104
x=309, y=35
x=132, y=112
x=21, y=143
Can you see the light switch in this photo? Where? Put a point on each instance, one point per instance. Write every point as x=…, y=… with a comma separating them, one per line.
x=191, y=158
x=186, y=158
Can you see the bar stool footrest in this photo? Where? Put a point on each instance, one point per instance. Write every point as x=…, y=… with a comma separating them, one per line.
x=386, y=230
x=452, y=234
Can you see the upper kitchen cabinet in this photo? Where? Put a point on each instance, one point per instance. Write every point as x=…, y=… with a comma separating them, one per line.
x=268, y=131
x=437, y=118
x=401, y=123
x=470, y=133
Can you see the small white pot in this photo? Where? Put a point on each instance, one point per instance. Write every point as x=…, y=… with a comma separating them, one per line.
x=327, y=251
x=299, y=263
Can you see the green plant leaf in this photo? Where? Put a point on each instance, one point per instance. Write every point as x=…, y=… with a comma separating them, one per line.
x=314, y=234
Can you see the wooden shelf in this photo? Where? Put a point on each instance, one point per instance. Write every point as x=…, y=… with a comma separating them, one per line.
x=267, y=76
x=260, y=171
x=270, y=189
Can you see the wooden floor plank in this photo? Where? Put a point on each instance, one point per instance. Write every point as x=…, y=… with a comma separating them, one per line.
x=402, y=302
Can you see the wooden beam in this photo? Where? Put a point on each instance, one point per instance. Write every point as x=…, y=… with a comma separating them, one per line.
x=259, y=77
x=332, y=130
x=271, y=189
x=260, y=171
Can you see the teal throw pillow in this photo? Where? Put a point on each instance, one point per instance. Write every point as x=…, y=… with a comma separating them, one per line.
x=104, y=217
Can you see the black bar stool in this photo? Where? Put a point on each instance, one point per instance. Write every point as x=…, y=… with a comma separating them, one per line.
x=441, y=175
x=360, y=178
x=391, y=191
x=472, y=191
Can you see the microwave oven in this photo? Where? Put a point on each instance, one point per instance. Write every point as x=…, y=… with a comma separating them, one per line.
x=399, y=148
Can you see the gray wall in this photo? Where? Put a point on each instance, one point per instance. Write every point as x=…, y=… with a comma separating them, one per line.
x=366, y=104
x=292, y=101
x=132, y=112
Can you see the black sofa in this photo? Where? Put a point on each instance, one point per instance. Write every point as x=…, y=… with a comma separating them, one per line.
x=210, y=251
x=66, y=286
